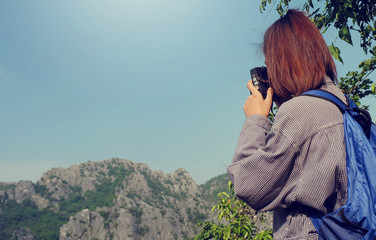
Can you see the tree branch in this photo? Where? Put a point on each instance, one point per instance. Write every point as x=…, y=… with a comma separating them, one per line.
x=361, y=81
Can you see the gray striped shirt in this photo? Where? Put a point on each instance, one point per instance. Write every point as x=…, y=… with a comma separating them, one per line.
x=295, y=166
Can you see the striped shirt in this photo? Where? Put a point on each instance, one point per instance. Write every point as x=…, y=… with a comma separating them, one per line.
x=295, y=166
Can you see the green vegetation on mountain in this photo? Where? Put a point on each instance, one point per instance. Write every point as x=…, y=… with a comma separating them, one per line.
x=5, y=187
x=103, y=195
x=43, y=224
x=214, y=186
x=46, y=223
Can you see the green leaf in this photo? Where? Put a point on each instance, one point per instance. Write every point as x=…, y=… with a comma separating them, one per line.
x=220, y=216
x=373, y=88
x=279, y=9
x=230, y=186
x=373, y=51
x=345, y=35
x=336, y=53
x=310, y=3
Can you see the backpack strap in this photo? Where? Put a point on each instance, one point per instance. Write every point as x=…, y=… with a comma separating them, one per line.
x=362, y=116
x=329, y=97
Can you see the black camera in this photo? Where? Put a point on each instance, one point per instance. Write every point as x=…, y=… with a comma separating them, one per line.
x=259, y=77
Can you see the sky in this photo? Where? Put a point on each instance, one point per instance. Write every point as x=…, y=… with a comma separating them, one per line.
x=162, y=82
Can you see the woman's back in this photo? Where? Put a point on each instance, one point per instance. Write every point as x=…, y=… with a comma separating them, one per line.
x=295, y=168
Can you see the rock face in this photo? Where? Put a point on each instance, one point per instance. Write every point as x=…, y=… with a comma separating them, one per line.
x=147, y=205
x=23, y=234
x=112, y=199
x=16, y=191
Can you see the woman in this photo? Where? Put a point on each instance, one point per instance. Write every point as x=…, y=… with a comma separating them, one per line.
x=297, y=167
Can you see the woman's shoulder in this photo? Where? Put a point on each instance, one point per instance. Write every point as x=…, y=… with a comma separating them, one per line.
x=307, y=106
x=305, y=115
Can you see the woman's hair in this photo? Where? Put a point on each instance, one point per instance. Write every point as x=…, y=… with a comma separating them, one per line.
x=296, y=55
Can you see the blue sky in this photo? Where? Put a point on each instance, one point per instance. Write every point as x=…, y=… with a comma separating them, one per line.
x=161, y=82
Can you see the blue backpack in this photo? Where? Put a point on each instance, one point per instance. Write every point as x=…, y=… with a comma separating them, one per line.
x=357, y=218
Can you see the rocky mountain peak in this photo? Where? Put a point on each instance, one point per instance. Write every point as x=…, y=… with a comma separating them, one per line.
x=110, y=199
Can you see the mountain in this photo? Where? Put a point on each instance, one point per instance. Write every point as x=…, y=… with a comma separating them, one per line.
x=112, y=199
x=216, y=185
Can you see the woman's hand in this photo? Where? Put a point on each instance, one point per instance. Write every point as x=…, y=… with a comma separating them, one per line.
x=256, y=104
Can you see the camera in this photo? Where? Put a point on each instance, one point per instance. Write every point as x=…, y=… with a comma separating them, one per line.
x=259, y=76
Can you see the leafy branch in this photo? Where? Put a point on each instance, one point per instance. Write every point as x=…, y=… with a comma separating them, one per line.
x=234, y=220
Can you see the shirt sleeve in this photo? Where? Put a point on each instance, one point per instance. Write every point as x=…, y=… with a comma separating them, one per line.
x=262, y=163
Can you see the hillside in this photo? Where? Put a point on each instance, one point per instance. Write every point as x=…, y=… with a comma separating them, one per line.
x=111, y=199
x=211, y=188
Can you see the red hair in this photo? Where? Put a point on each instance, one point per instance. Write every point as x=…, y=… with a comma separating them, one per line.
x=296, y=55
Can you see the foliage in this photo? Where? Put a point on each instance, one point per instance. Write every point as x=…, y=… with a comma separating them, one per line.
x=136, y=212
x=102, y=196
x=7, y=186
x=159, y=191
x=355, y=88
x=42, y=191
x=214, y=186
x=195, y=216
x=43, y=224
x=345, y=15
x=143, y=230
x=234, y=220
x=348, y=17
